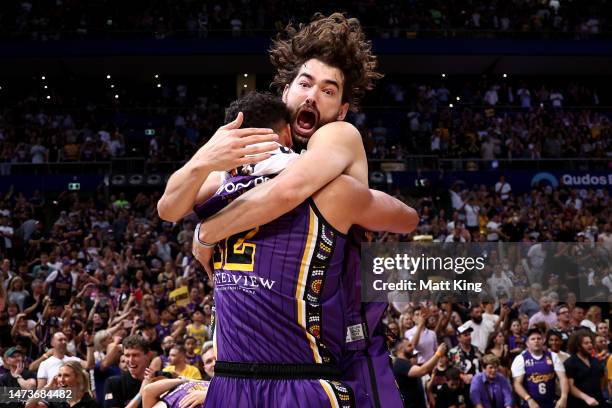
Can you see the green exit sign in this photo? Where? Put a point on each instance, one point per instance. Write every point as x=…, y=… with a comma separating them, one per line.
x=74, y=186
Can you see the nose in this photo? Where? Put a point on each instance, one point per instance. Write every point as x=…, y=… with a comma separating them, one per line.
x=311, y=95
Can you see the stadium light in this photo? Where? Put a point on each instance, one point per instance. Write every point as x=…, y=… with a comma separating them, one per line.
x=43, y=77
x=450, y=105
x=108, y=76
x=45, y=86
x=505, y=75
x=112, y=85
x=159, y=85
x=443, y=75
x=116, y=96
x=156, y=76
x=48, y=96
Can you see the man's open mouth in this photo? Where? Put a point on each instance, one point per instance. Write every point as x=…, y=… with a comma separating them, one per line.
x=306, y=122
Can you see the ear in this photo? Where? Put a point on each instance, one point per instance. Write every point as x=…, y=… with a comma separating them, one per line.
x=343, y=111
x=285, y=92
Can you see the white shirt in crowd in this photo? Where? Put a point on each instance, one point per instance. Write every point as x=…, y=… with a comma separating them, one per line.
x=50, y=367
x=428, y=343
x=518, y=365
x=503, y=190
x=456, y=200
x=607, y=282
x=556, y=99
x=493, y=226
x=8, y=235
x=471, y=215
x=498, y=284
x=480, y=335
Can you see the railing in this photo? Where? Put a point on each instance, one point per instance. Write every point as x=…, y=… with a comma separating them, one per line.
x=582, y=164
x=373, y=31
x=140, y=165
x=102, y=167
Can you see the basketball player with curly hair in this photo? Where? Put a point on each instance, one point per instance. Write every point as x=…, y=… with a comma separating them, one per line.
x=323, y=68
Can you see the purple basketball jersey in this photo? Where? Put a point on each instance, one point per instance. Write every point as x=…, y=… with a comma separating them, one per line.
x=174, y=396
x=61, y=288
x=539, y=380
x=366, y=362
x=163, y=331
x=277, y=287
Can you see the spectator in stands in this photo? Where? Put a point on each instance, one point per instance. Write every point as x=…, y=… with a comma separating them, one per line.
x=592, y=318
x=178, y=364
x=503, y=189
x=577, y=317
x=107, y=352
x=208, y=360
x=71, y=376
x=16, y=376
x=123, y=390
x=535, y=371
x=162, y=360
x=50, y=362
x=465, y=356
x=554, y=341
x=530, y=305
x=408, y=373
x=423, y=339
x=453, y=393
x=545, y=314
x=584, y=372
x=481, y=328
x=490, y=389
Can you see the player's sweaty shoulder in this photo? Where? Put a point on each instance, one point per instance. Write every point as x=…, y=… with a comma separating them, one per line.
x=338, y=133
x=343, y=138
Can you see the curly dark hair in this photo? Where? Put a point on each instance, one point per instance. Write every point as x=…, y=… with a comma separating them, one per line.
x=260, y=110
x=337, y=41
x=575, y=341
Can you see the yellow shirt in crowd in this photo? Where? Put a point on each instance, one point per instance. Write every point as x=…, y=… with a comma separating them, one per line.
x=190, y=372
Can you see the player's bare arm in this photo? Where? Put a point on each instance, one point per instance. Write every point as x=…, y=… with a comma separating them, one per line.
x=345, y=202
x=334, y=149
x=198, y=178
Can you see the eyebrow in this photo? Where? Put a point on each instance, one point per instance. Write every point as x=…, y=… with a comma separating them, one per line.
x=326, y=81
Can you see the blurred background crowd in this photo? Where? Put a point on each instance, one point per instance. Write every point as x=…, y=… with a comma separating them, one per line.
x=39, y=20
x=90, y=273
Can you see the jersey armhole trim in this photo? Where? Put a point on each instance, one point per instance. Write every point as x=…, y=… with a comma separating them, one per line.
x=316, y=210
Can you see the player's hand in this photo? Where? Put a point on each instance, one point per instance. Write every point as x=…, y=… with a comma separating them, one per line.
x=193, y=399
x=230, y=145
x=591, y=402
